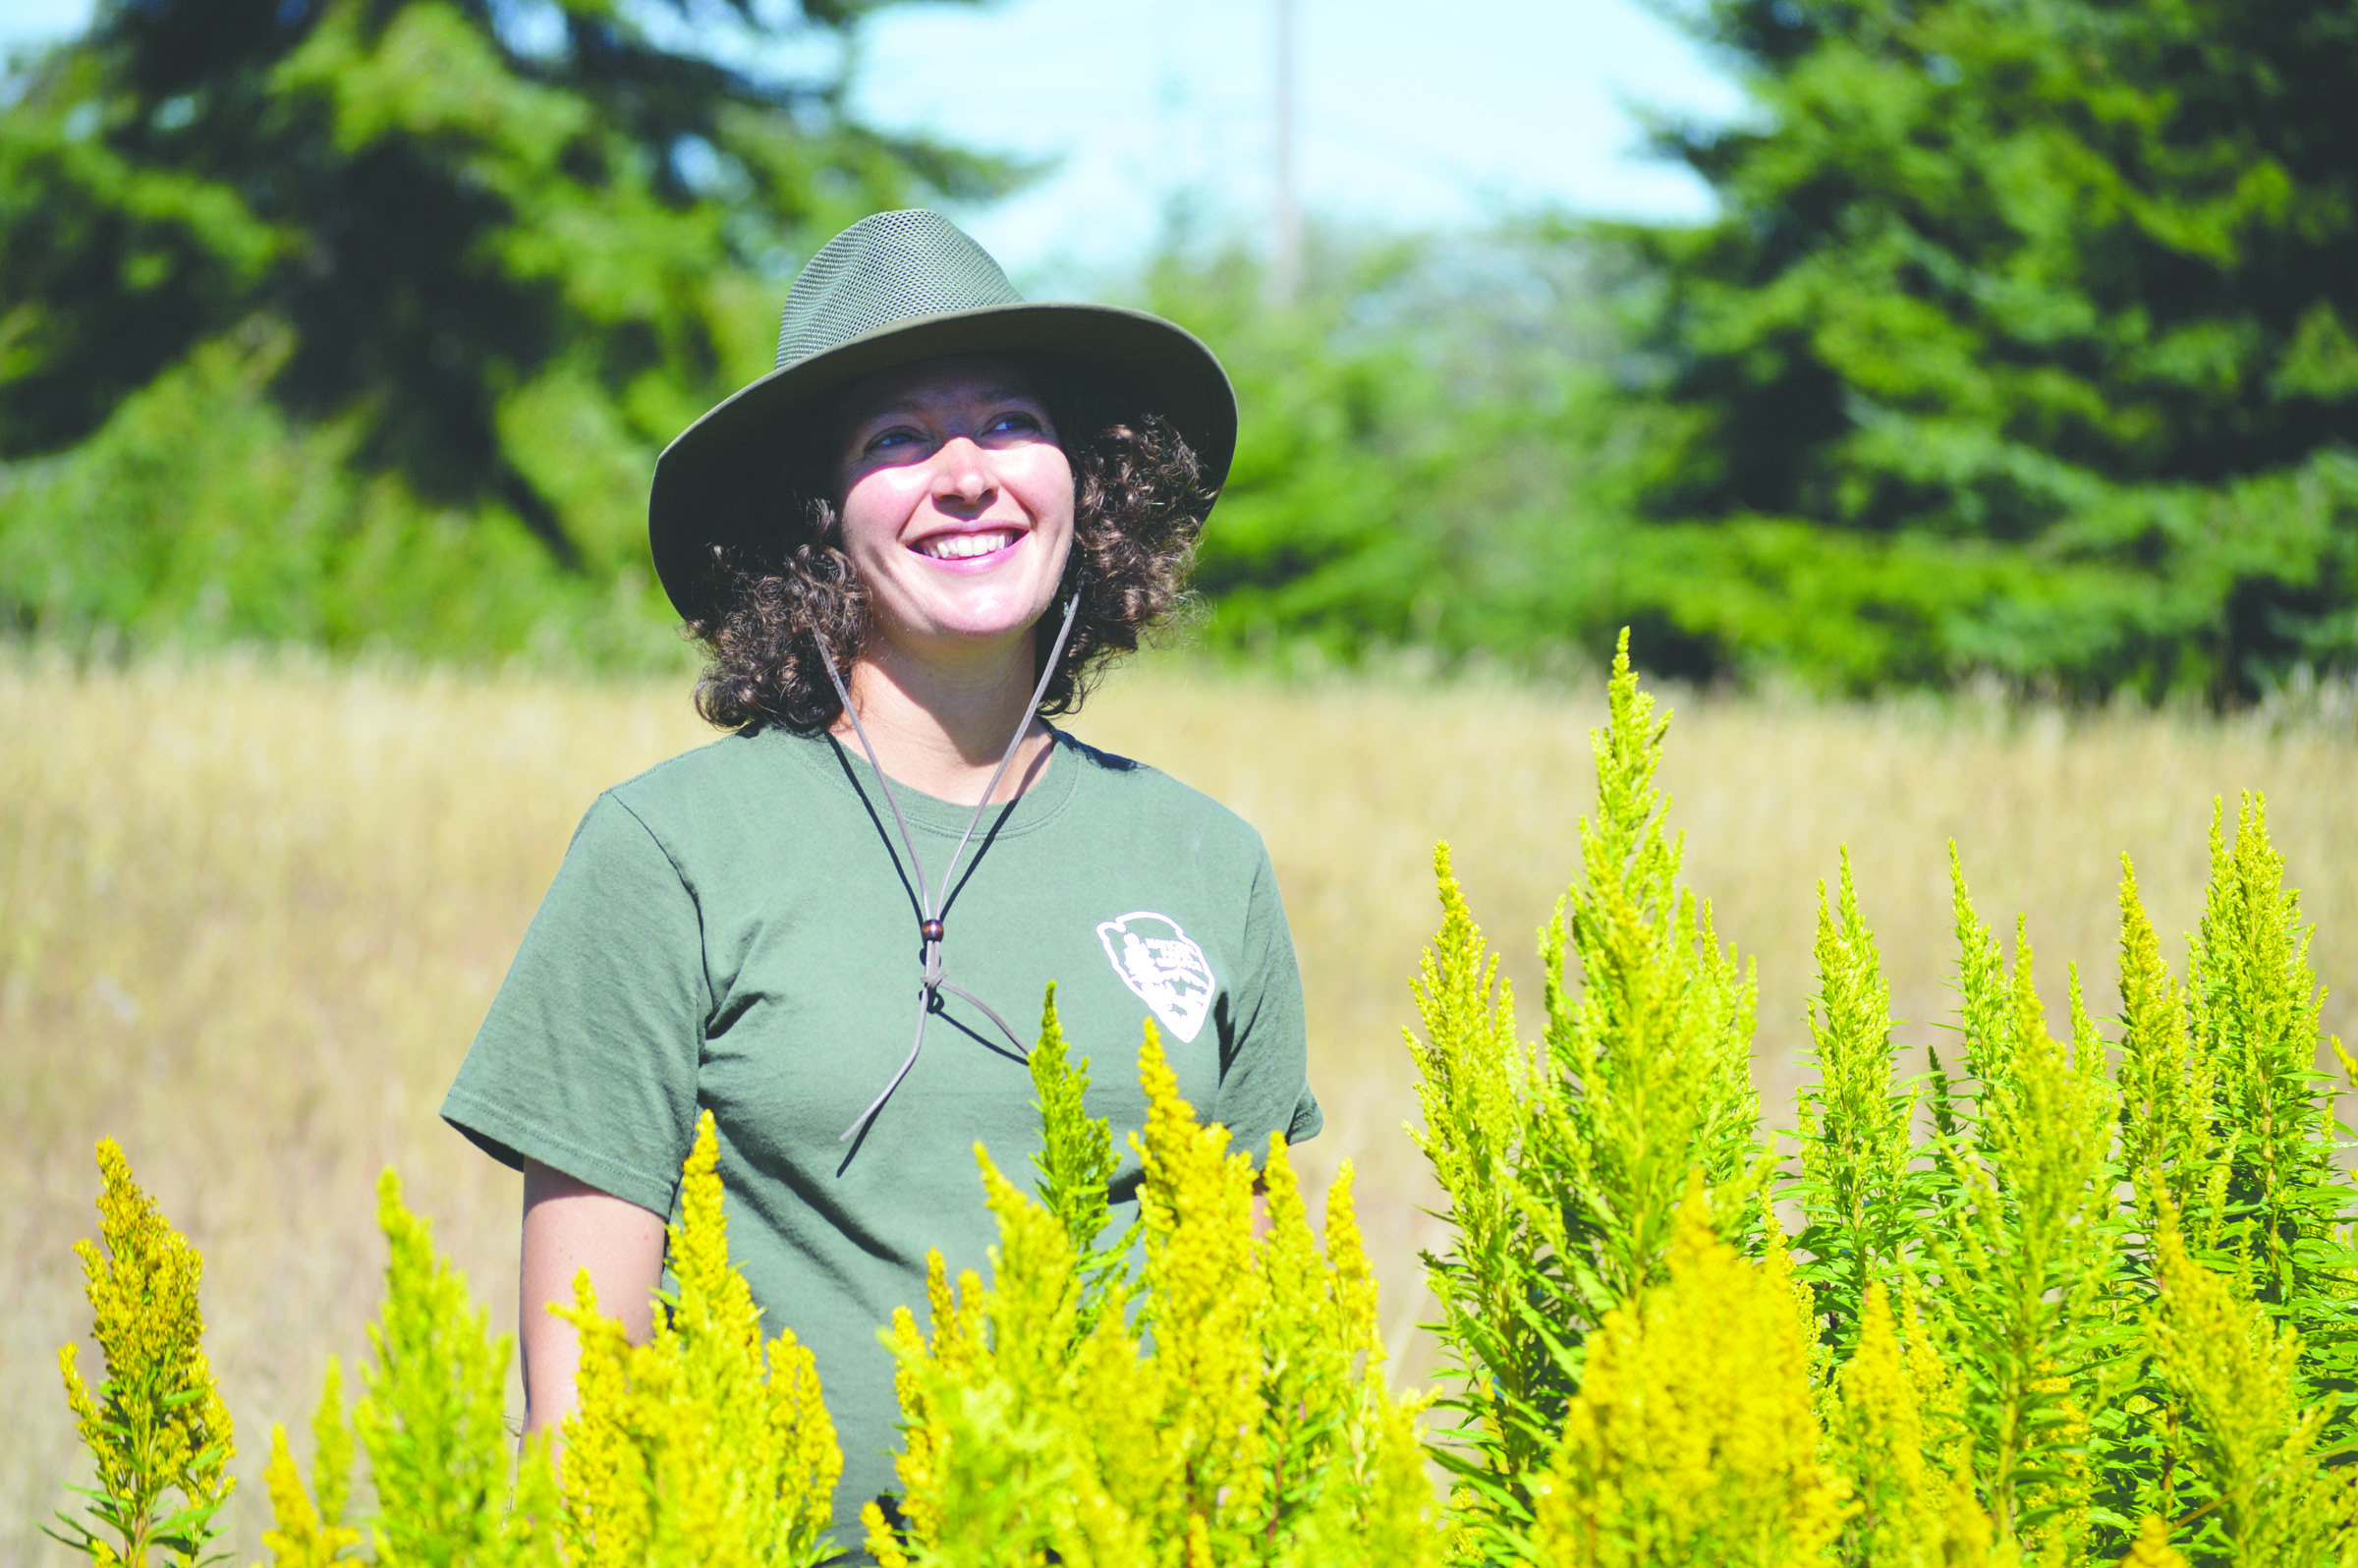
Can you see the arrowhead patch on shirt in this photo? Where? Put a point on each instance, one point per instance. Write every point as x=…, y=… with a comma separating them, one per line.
x=1155, y=959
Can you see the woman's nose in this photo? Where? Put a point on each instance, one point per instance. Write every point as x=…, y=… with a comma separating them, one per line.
x=961, y=470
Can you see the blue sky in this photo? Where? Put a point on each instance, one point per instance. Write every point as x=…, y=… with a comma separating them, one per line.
x=1412, y=115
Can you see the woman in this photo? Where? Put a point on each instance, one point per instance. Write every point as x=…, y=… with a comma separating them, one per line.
x=832, y=928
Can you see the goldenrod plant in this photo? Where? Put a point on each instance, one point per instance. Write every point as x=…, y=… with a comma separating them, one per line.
x=2152, y=1548
x=2169, y=1142
x=2071, y=1294
x=1567, y=1164
x=1227, y=1405
x=2229, y=1151
x=1898, y=1438
x=2252, y=1010
x=1858, y=1193
x=2022, y=1250
x=692, y=1448
x=2247, y=1436
x=1672, y=1457
x=1650, y=1059
x=2056, y=1311
x=431, y=1417
x=441, y=1461
x=310, y=1530
x=158, y=1435
x=1076, y=1162
x=701, y=1445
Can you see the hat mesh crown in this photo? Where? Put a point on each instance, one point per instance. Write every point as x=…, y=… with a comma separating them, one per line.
x=885, y=270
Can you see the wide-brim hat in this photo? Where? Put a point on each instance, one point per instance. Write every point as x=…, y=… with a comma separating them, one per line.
x=890, y=290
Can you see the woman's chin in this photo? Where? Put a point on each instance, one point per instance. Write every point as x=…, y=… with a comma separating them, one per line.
x=962, y=633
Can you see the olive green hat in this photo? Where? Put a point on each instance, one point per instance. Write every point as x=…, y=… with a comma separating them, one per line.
x=894, y=288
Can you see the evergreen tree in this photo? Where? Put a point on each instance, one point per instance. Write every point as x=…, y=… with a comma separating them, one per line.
x=363, y=319
x=2027, y=340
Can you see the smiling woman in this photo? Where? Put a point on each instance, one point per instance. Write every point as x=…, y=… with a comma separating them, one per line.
x=942, y=512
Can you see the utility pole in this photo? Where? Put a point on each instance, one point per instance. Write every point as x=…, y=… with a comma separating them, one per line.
x=1284, y=277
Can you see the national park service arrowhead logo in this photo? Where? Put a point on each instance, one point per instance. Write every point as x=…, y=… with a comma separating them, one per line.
x=1154, y=958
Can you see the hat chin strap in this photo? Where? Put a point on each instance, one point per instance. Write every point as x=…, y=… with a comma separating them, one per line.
x=932, y=983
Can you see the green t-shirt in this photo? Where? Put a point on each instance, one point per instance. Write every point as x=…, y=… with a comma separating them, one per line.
x=734, y=930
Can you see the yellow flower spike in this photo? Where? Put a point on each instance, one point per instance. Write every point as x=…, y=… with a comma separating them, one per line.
x=1971, y=1539
x=1281, y=1190
x=1665, y=1457
x=882, y=1544
x=2152, y=1548
x=1776, y=1262
x=1354, y=1275
x=1938, y=1391
x=294, y=1539
x=155, y=1425
x=1308, y=1352
x=1034, y=1309
x=1897, y=1457
x=331, y=1447
x=308, y=1534
x=1199, y=1543
x=87, y=1416
x=432, y=1414
x=704, y=1444
x=1170, y=1121
x=925, y=1436
x=534, y=1537
x=1123, y=1392
x=699, y=1241
x=937, y=1290
x=1205, y=1292
x=1296, y=1281
x=608, y=1505
x=813, y=1458
x=713, y=1298
x=969, y=1313
x=2252, y=1437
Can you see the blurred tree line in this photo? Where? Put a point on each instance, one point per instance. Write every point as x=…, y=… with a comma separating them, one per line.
x=363, y=321
x=2024, y=345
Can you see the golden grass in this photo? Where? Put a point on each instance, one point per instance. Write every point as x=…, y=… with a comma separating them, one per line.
x=250, y=913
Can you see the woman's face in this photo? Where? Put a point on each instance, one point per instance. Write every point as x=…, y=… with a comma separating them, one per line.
x=957, y=505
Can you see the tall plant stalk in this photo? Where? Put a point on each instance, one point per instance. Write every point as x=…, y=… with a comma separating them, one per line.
x=1566, y=1164
x=158, y=1435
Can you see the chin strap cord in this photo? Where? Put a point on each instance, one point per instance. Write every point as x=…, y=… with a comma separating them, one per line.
x=929, y=897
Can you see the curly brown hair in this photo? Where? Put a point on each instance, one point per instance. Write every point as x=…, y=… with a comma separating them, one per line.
x=1140, y=496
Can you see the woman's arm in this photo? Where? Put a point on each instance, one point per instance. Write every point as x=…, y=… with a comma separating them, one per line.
x=570, y=1226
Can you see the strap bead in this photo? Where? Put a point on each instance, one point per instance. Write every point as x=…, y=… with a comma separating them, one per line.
x=930, y=930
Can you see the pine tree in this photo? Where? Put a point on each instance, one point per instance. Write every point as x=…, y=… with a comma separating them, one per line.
x=2026, y=341
x=302, y=294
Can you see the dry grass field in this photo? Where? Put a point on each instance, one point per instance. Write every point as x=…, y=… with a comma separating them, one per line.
x=250, y=913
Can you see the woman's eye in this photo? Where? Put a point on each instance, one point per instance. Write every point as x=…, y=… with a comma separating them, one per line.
x=886, y=440
x=1017, y=421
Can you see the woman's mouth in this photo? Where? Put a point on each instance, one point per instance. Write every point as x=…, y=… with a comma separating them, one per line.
x=967, y=546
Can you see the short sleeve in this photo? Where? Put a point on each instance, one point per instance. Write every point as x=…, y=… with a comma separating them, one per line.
x=1265, y=1078
x=587, y=1060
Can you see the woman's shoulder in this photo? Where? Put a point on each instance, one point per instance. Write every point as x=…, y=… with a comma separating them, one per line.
x=1131, y=788
x=742, y=768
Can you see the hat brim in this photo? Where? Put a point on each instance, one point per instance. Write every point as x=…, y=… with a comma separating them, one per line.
x=717, y=482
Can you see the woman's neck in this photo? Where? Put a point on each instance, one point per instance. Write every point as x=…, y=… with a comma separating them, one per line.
x=944, y=731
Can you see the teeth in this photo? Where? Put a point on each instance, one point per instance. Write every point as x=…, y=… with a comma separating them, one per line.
x=965, y=546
